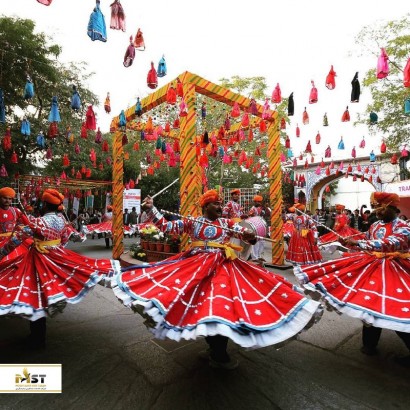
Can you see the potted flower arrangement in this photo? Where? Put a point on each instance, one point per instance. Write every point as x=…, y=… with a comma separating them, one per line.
x=159, y=239
x=147, y=236
x=137, y=252
x=174, y=241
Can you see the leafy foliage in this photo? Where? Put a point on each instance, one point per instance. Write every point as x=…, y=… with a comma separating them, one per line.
x=388, y=94
x=24, y=52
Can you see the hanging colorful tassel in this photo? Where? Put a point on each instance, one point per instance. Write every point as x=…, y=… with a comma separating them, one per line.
x=236, y=112
x=118, y=18
x=77, y=149
x=25, y=127
x=171, y=97
x=245, y=119
x=14, y=158
x=346, y=115
x=305, y=117
x=373, y=118
x=98, y=136
x=107, y=104
x=276, y=95
x=325, y=121
x=262, y=126
x=90, y=123
x=183, y=109
x=313, y=97
x=383, y=148
x=372, y=158
x=75, y=99
x=308, y=148
x=330, y=79
x=283, y=124
x=341, y=144
x=362, y=143
x=355, y=95
x=138, y=108
x=40, y=140
x=297, y=131
x=54, y=115
x=139, y=42
x=317, y=139
x=28, y=89
x=266, y=110
x=253, y=109
x=382, y=69
x=394, y=160
x=328, y=152
x=3, y=171
x=354, y=152
x=66, y=161
x=287, y=142
x=96, y=29
x=52, y=130
x=162, y=67
x=152, y=79
x=129, y=54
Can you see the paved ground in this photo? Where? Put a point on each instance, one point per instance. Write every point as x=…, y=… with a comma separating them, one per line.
x=110, y=361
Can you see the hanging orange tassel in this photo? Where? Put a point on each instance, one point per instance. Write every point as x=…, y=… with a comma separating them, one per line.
x=250, y=135
x=262, y=126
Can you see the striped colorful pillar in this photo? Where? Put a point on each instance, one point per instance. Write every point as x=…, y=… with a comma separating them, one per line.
x=117, y=195
x=190, y=183
x=275, y=191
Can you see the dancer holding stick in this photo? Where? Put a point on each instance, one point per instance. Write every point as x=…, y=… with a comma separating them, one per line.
x=342, y=230
x=302, y=247
x=206, y=291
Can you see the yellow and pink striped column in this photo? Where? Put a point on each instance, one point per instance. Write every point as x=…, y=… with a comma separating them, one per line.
x=275, y=191
x=117, y=195
x=190, y=185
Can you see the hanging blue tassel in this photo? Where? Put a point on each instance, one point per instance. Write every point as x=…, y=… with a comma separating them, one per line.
x=407, y=106
x=138, y=108
x=40, y=140
x=28, y=89
x=142, y=135
x=25, y=127
x=123, y=121
x=162, y=68
x=341, y=144
x=290, y=153
x=75, y=99
x=221, y=151
x=54, y=115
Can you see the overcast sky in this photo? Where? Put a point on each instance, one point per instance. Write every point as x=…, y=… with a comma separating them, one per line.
x=291, y=42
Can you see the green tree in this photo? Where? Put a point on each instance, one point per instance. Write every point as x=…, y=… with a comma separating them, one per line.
x=388, y=94
x=26, y=53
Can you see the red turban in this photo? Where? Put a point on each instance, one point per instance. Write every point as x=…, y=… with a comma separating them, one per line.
x=109, y=208
x=384, y=198
x=339, y=207
x=258, y=198
x=7, y=192
x=235, y=191
x=52, y=196
x=209, y=196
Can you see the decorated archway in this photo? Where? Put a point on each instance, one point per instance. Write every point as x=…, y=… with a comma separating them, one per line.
x=190, y=171
x=316, y=182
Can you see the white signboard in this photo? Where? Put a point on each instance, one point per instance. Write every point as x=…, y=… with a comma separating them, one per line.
x=131, y=198
x=76, y=205
x=401, y=188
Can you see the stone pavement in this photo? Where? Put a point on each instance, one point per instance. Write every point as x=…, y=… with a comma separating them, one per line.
x=110, y=361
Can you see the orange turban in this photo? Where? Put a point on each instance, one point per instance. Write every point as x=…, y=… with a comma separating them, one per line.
x=300, y=207
x=109, y=208
x=209, y=196
x=258, y=198
x=235, y=191
x=339, y=207
x=52, y=196
x=384, y=198
x=29, y=208
x=8, y=192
